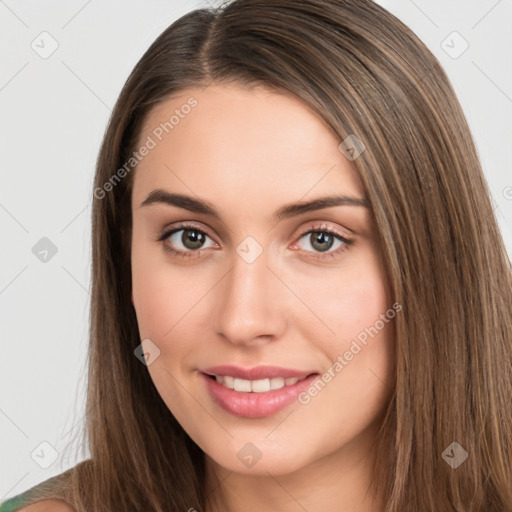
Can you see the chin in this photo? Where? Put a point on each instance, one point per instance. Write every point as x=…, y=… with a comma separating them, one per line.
x=257, y=459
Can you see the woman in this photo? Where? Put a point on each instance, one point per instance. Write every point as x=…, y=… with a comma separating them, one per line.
x=301, y=298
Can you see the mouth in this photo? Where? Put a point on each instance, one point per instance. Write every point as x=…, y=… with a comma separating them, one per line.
x=257, y=392
x=256, y=386
x=260, y=372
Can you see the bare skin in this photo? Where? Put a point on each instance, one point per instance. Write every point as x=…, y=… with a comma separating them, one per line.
x=48, y=506
x=248, y=153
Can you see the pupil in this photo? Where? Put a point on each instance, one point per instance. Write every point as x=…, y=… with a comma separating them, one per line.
x=322, y=238
x=192, y=239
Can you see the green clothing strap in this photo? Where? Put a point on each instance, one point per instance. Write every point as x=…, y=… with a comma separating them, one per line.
x=31, y=495
x=15, y=503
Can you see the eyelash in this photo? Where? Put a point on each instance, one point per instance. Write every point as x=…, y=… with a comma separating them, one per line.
x=196, y=253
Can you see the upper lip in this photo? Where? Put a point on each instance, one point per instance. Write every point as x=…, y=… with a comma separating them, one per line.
x=257, y=372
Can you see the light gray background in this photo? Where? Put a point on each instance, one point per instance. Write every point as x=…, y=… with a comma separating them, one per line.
x=53, y=115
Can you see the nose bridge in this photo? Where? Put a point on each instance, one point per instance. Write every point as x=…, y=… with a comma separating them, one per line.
x=248, y=308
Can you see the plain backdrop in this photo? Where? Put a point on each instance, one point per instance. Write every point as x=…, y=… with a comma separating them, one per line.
x=54, y=109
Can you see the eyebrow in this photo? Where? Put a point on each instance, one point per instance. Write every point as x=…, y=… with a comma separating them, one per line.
x=160, y=196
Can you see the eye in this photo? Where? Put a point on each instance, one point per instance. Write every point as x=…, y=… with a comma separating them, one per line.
x=322, y=238
x=185, y=240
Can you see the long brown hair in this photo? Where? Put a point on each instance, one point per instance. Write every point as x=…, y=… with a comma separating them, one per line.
x=366, y=74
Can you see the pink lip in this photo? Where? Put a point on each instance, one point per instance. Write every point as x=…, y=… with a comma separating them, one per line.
x=258, y=372
x=255, y=405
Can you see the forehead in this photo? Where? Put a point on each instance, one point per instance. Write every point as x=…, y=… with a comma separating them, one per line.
x=250, y=143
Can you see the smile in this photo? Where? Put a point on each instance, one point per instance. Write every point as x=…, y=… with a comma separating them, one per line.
x=256, y=386
x=257, y=397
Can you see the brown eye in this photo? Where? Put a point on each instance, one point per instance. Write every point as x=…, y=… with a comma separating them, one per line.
x=322, y=239
x=185, y=240
x=192, y=238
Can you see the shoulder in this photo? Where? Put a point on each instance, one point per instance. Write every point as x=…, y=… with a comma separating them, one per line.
x=51, y=495
x=19, y=504
x=48, y=506
x=46, y=496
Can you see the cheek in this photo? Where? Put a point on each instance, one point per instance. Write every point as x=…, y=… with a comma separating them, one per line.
x=362, y=351
x=357, y=380
x=169, y=302
x=155, y=302
x=162, y=311
x=349, y=303
x=356, y=307
x=158, y=293
x=163, y=302
x=151, y=300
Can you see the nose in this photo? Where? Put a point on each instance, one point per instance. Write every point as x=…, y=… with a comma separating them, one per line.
x=249, y=309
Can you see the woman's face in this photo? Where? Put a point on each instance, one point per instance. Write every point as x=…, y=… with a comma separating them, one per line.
x=257, y=284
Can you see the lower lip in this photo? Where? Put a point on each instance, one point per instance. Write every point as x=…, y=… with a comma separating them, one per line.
x=255, y=405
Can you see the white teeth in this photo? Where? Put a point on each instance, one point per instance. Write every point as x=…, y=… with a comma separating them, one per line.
x=260, y=386
x=229, y=381
x=276, y=383
x=256, y=386
x=242, y=385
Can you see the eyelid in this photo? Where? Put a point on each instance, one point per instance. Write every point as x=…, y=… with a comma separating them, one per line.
x=167, y=231
x=324, y=226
